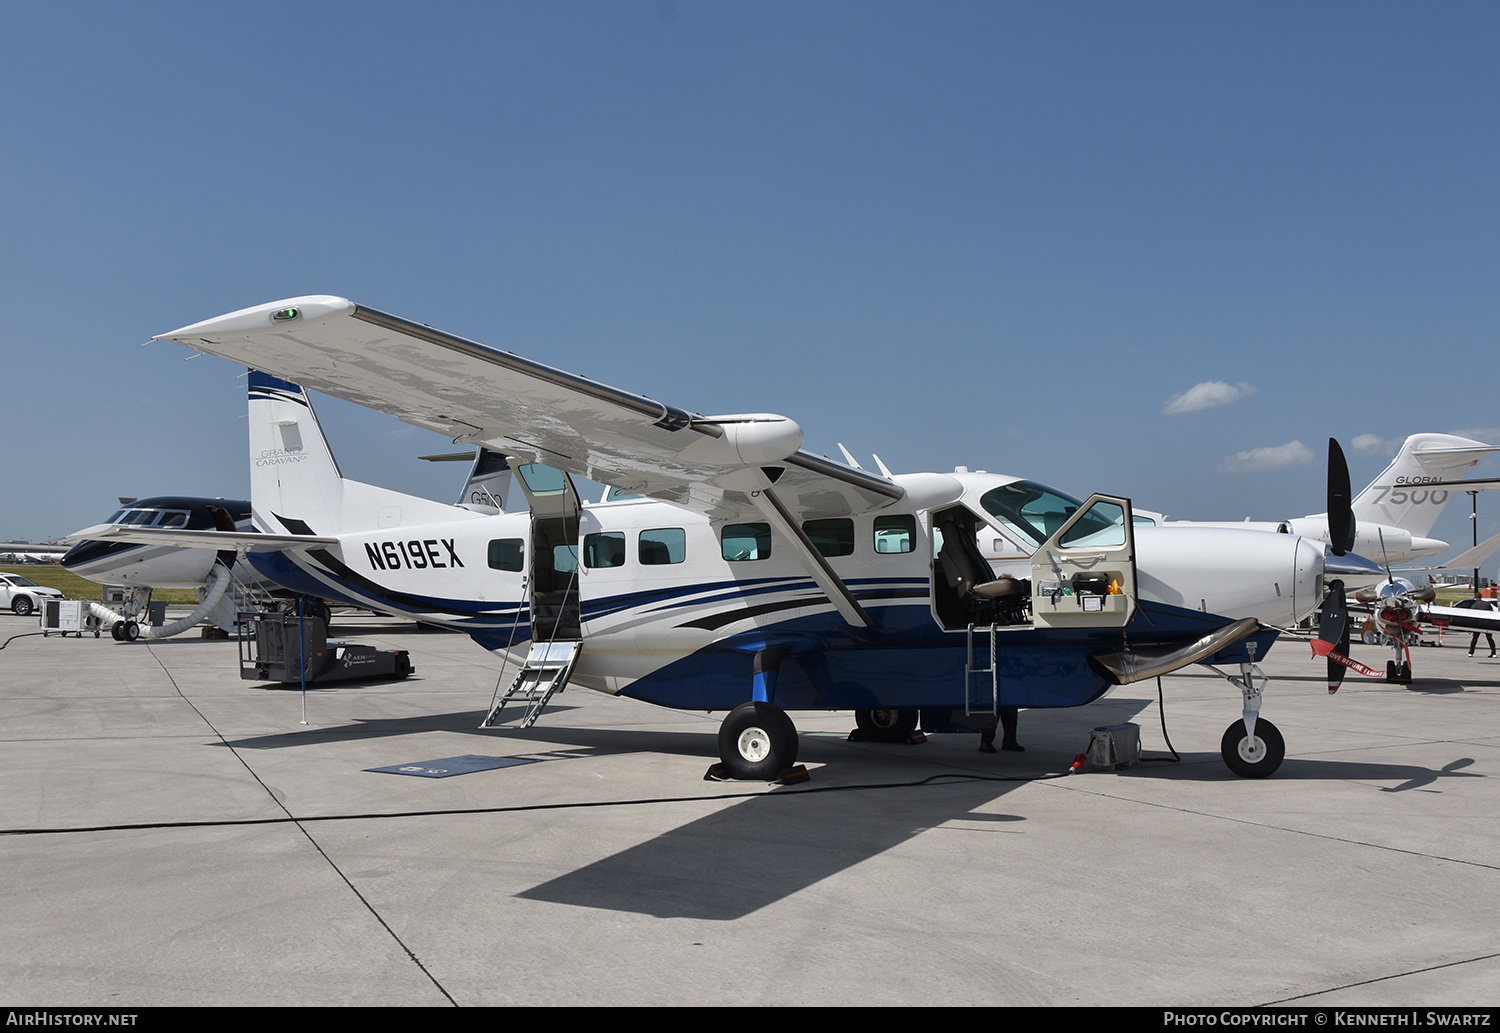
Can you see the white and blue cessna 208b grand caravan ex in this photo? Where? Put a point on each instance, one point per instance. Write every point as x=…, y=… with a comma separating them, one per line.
x=727, y=570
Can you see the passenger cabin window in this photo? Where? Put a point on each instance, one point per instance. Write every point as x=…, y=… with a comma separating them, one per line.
x=833, y=537
x=507, y=554
x=620, y=495
x=663, y=545
x=746, y=541
x=564, y=559
x=895, y=534
x=605, y=549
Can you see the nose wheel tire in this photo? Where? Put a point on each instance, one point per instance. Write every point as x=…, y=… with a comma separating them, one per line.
x=1253, y=758
x=757, y=741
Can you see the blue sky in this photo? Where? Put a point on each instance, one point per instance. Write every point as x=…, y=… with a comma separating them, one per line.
x=1000, y=235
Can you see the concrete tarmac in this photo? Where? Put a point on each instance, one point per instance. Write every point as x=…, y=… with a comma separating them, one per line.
x=176, y=836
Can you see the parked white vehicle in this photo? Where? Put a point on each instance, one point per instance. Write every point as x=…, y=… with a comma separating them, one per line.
x=23, y=595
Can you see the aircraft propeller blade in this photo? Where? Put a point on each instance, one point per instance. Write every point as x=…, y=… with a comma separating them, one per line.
x=1335, y=669
x=1340, y=515
x=1333, y=628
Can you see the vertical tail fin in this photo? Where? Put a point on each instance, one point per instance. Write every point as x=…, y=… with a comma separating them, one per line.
x=1397, y=497
x=489, y=486
x=293, y=475
x=295, y=483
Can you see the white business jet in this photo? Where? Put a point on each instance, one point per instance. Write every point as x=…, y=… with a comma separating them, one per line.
x=142, y=567
x=727, y=569
x=1394, y=514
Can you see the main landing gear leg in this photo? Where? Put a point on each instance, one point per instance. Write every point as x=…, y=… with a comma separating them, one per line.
x=757, y=741
x=1252, y=747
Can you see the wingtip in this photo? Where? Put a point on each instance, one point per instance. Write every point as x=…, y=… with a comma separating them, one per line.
x=288, y=311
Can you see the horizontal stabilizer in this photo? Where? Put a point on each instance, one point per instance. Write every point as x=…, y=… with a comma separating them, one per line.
x=1474, y=557
x=248, y=540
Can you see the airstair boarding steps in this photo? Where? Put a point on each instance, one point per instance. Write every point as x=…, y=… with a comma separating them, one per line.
x=545, y=673
x=971, y=705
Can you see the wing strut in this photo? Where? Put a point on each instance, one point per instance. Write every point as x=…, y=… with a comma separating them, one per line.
x=756, y=484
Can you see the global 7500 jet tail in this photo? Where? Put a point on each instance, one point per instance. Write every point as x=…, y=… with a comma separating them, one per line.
x=1395, y=512
x=729, y=569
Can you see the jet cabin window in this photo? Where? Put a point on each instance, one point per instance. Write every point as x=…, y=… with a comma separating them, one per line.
x=746, y=541
x=831, y=537
x=1031, y=509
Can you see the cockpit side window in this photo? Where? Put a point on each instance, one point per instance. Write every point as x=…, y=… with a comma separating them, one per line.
x=1103, y=527
x=1033, y=510
x=173, y=518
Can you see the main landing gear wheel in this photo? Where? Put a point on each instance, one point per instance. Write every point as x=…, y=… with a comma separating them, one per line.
x=757, y=741
x=887, y=725
x=1253, y=758
x=22, y=606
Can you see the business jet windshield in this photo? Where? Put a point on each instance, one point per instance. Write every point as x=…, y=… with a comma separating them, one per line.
x=149, y=517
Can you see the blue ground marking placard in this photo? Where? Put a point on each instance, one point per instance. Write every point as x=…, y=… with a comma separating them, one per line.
x=449, y=766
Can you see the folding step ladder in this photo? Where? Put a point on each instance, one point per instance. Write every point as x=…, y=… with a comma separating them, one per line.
x=545, y=673
x=979, y=706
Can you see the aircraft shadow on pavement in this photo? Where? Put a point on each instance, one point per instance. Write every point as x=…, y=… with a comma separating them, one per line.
x=755, y=853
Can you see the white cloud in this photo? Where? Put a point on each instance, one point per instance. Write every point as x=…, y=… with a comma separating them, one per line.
x=1207, y=395
x=1485, y=434
x=1272, y=457
x=1376, y=443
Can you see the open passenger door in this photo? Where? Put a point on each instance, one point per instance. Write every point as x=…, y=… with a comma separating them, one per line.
x=1084, y=575
x=554, y=551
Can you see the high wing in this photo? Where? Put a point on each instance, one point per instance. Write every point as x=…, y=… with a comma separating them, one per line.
x=518, y=407
x=726, y=467
x=181, y=538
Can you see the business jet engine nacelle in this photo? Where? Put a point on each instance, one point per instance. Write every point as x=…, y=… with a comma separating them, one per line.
x=1275, y=578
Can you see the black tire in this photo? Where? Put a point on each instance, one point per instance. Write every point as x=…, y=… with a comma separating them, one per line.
x=321, y=610
x=117, y=631
x=131, y=631
x=403, y=664
x=887, y=725
x=1256, y=761
x=757, y=742
x=22, y=606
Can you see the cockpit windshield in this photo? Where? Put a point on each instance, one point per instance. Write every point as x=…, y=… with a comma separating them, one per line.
x=1036, y=511
x=147, y=517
